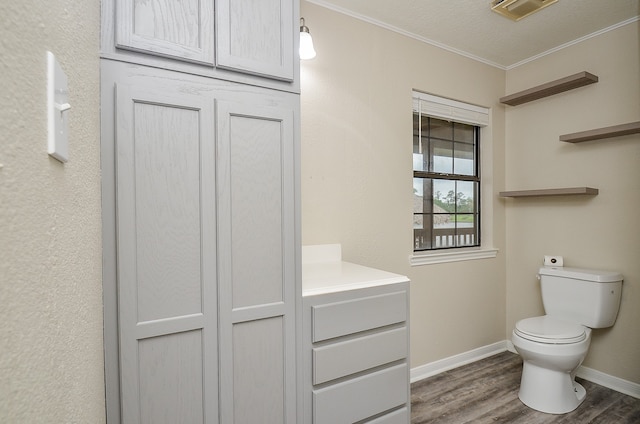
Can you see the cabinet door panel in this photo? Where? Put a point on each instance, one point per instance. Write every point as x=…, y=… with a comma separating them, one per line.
x=178, y=29
x=165, y=178
x=163, y=361
x=256, y=206
x=258, y=370
x=256, y=263
x=256, y=37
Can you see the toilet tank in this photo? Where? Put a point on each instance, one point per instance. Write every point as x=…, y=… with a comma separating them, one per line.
x=585, y=296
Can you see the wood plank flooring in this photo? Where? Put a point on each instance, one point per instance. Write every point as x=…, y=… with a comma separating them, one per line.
x=486, y=391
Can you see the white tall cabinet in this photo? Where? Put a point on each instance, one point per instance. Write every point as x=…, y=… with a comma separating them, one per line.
x=200, y=168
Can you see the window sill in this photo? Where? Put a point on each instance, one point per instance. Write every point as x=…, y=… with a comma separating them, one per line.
x=455, y=256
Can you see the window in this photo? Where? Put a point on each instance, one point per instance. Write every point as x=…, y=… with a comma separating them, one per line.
x=446, y=173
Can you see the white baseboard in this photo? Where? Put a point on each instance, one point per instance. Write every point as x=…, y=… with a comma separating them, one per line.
x=614, y=383
x=446, y=364
x=433, y=368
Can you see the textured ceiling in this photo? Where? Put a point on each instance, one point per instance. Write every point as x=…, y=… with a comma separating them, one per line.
x=471, y=28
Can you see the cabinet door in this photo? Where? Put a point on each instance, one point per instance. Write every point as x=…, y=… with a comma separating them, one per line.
x=256, y=37
x=177, y=29
x=256, y=264
x=166, y=255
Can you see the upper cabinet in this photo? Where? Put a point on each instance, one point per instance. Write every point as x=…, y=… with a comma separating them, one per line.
x=180, y=30
x=245, y=41
x=255, y=37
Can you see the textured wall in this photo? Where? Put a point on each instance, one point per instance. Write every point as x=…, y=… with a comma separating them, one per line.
x=356, y=171
x=590, y=232
x=51, y=357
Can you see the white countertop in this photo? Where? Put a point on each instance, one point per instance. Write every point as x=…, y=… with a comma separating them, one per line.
x=337, y=276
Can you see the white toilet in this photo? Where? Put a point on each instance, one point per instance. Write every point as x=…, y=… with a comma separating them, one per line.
x=554, y=345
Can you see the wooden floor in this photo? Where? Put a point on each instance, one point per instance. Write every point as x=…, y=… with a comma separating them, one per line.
x=487, y=392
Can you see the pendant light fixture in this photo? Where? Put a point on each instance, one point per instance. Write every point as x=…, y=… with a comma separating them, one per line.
x=306, y=43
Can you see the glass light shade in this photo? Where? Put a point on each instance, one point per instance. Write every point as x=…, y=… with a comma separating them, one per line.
x=306, y=46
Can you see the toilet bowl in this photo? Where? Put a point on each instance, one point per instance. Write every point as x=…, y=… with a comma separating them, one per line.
x=551, y=351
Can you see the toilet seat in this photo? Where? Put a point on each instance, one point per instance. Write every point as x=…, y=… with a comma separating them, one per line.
x=549, y=330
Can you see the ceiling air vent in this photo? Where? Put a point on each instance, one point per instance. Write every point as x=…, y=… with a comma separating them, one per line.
x=518, y=9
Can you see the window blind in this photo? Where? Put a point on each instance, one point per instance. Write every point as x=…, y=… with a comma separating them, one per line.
x=450, y=110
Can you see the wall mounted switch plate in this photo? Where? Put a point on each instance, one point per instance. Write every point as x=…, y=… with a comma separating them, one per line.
x=57, y=110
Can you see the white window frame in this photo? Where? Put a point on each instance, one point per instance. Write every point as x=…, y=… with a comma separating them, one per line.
x=454, y=110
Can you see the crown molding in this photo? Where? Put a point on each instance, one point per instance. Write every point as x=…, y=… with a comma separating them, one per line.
x=574, y=42
x=400, y=31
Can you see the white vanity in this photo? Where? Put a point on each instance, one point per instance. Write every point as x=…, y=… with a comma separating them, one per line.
x=355, y=341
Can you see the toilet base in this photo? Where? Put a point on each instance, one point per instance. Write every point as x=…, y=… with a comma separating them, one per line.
x=549, y=391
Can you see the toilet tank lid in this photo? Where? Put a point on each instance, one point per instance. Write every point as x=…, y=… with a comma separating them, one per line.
x=595, y=275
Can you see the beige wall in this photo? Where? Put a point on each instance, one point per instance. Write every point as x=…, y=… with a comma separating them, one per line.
x=357, y=178
x=51, y=357
x=596, y=232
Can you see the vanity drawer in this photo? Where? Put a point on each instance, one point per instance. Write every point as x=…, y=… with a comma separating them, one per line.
x=341, y=318
x=362, y=397
x=401, y=416
x=352, y=356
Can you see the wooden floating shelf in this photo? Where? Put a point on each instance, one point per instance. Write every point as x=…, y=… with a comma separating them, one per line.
x=551, y=192
x=549, y=89
x=607, y=132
